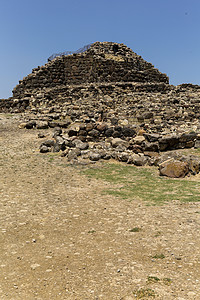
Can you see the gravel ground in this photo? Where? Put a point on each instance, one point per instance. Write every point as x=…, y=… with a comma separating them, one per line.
x=62, y=238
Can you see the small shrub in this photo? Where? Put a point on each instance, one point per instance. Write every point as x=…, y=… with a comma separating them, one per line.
x=167, y=281
x=158, y=233
x=135, y=229
x=152, y=279
x=159, y=256
x=144, y=293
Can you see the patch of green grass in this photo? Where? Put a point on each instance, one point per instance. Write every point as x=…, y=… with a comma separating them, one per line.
x=135, y=229
x=131, y=182
x=91, y=231
x=167, y=281
x=8, y=115
x=197, y=151
x=152, y=279
x=53, y=154
x=144, y=293
x=158, y=233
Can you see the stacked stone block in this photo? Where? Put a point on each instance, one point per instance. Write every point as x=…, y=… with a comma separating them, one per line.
x=102, y=62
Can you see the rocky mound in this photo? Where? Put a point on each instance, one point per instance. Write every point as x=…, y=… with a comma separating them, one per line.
x=111, y=104
x=102, y=62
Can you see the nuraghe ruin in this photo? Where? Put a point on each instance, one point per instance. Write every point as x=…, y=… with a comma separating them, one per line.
x=112, y=103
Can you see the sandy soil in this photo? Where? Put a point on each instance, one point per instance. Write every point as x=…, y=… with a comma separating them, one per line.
x=62, y=238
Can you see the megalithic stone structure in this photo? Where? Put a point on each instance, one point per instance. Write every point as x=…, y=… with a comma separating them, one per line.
x=101, y=62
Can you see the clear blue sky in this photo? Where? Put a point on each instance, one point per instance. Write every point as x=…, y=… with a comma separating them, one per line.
x=164, y=32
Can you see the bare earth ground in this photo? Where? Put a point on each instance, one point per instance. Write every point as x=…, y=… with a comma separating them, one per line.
x=61, y=238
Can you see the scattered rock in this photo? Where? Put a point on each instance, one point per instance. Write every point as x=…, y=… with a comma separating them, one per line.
x=41, y=135
x=174, y=168
x=139, y=139
x=44, y=149
x=81, y=145
x=73, y=154
x=48, y=143
x=22, y=125
x=34, y=266
x=94, y=156
x=57, y=131
x=30, y=124
x=117, y=142
x=42, y=125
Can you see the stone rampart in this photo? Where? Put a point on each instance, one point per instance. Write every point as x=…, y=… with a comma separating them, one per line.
x=102, y=62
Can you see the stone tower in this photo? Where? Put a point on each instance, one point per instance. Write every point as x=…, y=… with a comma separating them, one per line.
x=102, y=62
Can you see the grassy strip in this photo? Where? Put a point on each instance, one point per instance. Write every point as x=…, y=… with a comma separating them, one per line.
x=143, y=183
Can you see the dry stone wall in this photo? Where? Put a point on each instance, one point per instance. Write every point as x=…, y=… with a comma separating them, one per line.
x=158, y=104
x=110, y=103
x=102, y=62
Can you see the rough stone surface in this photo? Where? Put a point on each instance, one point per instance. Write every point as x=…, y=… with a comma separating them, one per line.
x=108, y=98
x=174, y=169
x=100, y=63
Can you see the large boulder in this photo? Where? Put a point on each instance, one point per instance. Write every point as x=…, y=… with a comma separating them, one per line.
x=174, y=168
x=187, y=140
x=117, y=142
x=42, y=125
x=152, y=137
x=30, y=124
x=81, y=145
x=139, y=139
x=153, y=147
x=137, y=159
x=168, y=142
x=193, y=163
x=94, y=156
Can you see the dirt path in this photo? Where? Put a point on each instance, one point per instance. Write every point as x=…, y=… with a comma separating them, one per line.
x=61, y=238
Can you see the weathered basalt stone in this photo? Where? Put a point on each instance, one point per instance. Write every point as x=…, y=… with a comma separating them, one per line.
x=168, y=142
x=151, y=137
x=137, y=159
x=30, y=124
x=42, y=125
x=94, y=156
x=110, y=104
x=153, y=147
x=117, y=142
x=44, y=149
x=73, y=154
x=81, y=145
x=48, y=143
x=174, y=169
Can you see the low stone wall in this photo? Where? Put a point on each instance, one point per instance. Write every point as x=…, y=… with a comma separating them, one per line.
x=66, y=94
x=10, y=105
x=159, y=105
x=92, y=141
